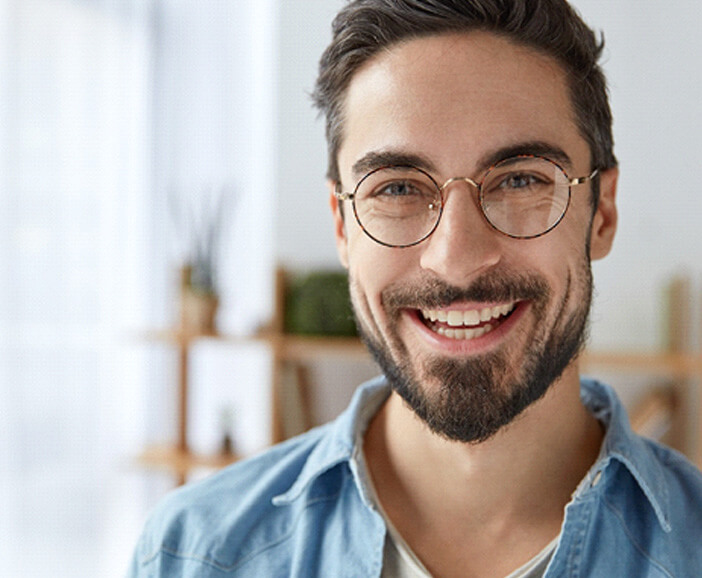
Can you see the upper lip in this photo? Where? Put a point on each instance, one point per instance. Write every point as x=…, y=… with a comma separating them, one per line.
x=467, y=317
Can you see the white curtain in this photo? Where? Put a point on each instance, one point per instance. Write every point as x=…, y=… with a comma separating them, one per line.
x=74, y=261
x=104, y=106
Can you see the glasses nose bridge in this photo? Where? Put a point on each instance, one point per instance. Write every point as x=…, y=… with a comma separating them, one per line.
x=473, y=197
x=454, y=180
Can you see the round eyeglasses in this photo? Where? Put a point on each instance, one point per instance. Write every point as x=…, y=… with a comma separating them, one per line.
x=522, y=197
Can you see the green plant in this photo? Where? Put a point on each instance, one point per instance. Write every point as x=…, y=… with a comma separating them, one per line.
x=318, y=303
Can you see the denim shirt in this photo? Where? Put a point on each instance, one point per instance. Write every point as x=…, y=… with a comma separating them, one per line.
x=303, y=509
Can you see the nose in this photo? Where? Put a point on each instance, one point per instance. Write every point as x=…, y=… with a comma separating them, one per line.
x=463, y=245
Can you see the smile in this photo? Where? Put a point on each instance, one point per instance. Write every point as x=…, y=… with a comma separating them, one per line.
x=468, y=324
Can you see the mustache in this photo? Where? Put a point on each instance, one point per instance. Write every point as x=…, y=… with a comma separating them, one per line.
x=434, y=293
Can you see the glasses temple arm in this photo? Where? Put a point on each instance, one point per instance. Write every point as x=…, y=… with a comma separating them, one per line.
x=344, y=196
x=581, y=180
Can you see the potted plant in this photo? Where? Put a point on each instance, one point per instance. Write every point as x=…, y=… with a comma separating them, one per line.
x=198, y=225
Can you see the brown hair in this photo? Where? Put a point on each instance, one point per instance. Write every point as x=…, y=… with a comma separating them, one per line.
x=365, y=27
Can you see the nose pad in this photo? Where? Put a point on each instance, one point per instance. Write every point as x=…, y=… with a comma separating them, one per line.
x=463, y=244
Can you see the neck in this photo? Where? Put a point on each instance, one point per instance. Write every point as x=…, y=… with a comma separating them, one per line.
x=521, y=478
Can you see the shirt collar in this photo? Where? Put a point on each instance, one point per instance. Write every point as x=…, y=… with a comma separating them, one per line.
x=343, y=439
x=621, y=444
x=343, y=442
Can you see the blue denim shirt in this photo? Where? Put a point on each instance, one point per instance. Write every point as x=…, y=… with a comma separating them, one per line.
x=302, y=509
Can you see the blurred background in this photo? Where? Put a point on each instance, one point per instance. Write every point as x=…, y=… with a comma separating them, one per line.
x=137, y=136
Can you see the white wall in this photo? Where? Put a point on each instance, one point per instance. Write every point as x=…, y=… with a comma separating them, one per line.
x=304, y=231
x=656, y=90
x=653, y=65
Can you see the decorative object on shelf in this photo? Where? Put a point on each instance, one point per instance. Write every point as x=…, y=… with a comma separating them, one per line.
x=226, y=426
x=318, y=303
x=198, y=308
x=198, y=221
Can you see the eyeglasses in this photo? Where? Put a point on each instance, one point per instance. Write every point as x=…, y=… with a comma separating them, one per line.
x=522, y=197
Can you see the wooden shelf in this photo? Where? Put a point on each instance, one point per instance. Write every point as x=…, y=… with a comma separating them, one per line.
x=305, y=348
x=653, y=363
x=179, y=461
x=288, y=347
x=176, y=337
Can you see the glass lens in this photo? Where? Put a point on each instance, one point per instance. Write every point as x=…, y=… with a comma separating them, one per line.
x=524, y=196
x=398, y=206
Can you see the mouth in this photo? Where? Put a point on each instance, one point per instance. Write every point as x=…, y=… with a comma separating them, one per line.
x=466, y=324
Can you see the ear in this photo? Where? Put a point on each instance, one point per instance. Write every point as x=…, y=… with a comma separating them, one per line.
x=339, y=225
x=604, y=221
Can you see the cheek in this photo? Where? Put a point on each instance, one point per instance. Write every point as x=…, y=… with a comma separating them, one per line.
x=373, y=268
x=562, y=252
x=569, y=272
x=560, y=257
x=577, y=224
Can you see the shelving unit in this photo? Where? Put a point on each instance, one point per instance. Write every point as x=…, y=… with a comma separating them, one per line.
x=293, y=350
x=674, y=407
x=671, y=403
x=177, y=458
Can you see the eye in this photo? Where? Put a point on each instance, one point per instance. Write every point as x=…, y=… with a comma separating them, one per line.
x=517, y=181
x=399, y=189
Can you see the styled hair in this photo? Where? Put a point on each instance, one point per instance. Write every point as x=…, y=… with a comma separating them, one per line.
x=363, y=28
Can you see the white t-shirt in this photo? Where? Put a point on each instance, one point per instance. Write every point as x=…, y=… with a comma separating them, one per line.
x=400, y=562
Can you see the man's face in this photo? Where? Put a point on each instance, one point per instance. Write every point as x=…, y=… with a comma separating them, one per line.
x=470, y=326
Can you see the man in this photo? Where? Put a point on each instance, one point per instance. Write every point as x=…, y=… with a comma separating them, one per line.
x=472, y=180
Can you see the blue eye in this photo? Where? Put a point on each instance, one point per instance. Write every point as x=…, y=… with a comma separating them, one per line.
x=513, y=182
x=398, y=189
x=520, y=181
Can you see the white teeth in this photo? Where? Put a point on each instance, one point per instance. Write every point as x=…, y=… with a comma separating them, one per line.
x=485, y=315
x=471, y=318
x=505, y=309
x=467, y=319
x=464, y=334
x=455, y=318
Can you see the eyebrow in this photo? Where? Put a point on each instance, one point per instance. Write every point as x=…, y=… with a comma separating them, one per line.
x=535, y=148
x=378, y=159
x=386, y=158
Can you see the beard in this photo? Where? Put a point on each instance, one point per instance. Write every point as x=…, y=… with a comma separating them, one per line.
x=477, y=397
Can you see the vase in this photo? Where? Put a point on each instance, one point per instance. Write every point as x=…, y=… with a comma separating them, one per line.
x=198, y=312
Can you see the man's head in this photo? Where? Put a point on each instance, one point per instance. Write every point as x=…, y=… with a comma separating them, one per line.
x=470, y=324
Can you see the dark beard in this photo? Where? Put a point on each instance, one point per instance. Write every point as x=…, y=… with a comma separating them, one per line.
x=479, y=396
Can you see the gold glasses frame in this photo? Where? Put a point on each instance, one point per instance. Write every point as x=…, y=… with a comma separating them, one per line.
x=478, y=185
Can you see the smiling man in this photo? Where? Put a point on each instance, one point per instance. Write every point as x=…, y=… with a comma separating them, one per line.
x=472, y=181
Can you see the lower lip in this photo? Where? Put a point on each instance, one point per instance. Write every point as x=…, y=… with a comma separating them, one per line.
x=481, y=344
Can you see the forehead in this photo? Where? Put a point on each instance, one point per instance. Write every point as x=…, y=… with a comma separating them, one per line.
x=454, y=98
